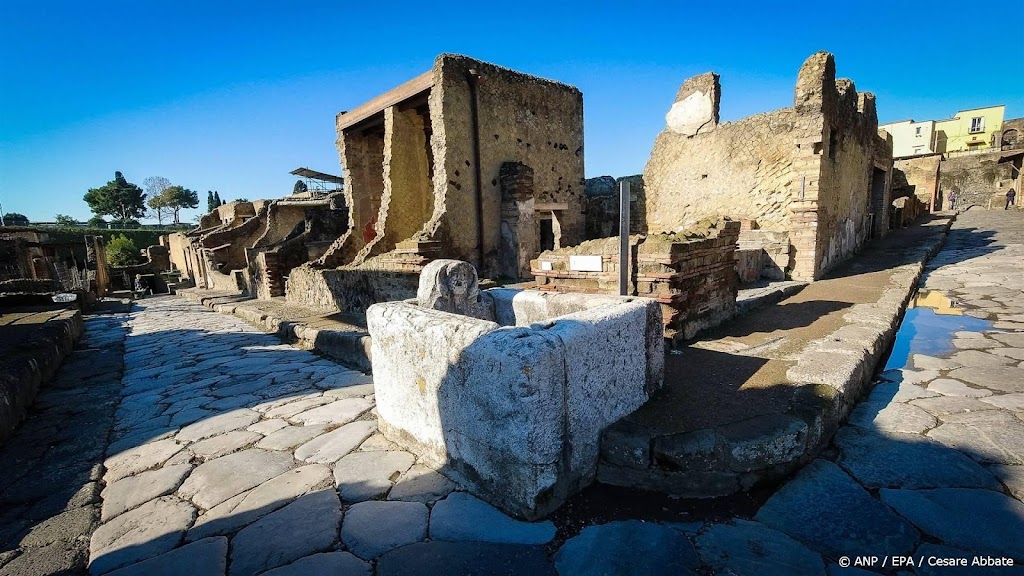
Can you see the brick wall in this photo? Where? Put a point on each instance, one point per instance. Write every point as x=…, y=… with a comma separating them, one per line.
x=692, y=274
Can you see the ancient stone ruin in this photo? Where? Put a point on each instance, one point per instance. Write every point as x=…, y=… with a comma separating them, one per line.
x=507, y=391
x=468, y=161
x=816, y=175
x=253, y=246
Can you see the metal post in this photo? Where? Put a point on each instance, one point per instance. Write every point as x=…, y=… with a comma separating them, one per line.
x=623, y=237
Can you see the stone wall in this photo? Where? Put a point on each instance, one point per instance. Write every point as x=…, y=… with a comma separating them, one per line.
x=977, y=179
x=692, y=274
x=819, y=170
x=602, y=206
x=918, y=176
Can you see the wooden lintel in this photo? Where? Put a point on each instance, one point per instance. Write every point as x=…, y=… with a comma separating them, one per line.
x=411, y=88
x=550, y=206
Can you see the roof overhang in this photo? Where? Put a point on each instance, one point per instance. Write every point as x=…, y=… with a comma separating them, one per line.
x=396, y=95
x=307, y=173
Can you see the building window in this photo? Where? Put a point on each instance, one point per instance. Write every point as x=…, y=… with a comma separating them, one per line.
x=977, y=124
x=917, y=131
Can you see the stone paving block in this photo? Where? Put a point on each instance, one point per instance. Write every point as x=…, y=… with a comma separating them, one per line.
x=139, y=459
x=363, y=476
x=307, y=525
x=217, y=446
x=462, y=516
x=1014, y=353
x=464, y=559
x=979, y=358
x=997, y=378
x=908, y=461
x=892, y=418
x=336, y=413
x=149, y=530
x=332, y=446
x=1012, y=477
x=986, y=522
x=950, y=387
x=988, y=436
x=751, y=548
x=372, y=528
x=267, y=427
x=218, y=424
x=630, y=547
x=945, y=405
x=289, y=437
x=130, y=492
x=217, y=480
x=203, y=558
x=827, y=511
x=421, y=484
x=299, y=404
x=886, y=392
x=378, y=442
x=335, y=563
x=353, y=391
x=250, y=506
x=230, y=403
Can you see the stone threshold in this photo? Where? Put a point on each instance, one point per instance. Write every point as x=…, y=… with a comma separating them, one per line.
x=33, y=343
x=754, y=424
x=344, y=340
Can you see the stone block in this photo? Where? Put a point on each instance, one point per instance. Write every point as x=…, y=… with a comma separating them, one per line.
x=514, y=413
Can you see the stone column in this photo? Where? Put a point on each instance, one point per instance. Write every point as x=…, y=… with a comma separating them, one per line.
x=520, y=235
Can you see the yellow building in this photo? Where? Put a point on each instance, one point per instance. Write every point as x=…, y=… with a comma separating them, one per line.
x=974, y=129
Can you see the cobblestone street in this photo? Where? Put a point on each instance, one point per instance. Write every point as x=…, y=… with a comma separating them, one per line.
x=220, y=450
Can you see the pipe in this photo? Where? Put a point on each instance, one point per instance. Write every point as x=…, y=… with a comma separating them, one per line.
x=473, y=77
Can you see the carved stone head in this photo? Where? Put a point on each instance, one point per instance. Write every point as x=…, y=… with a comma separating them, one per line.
x=452, y=286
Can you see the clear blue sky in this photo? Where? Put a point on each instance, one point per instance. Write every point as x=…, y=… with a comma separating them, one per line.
x=231, y=96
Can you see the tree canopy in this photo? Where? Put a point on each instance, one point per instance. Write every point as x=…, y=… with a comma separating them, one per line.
x=65, y=220
x=118, y=198
x=15, y=219
x=155, y=186
x=178, y=197
x=299, y=187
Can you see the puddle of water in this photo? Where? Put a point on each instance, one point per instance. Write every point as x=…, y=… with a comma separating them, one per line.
x=928, y=327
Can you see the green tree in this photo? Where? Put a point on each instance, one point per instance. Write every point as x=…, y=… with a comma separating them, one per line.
x=210, y=205
x=15, y=219
x=216, y=198
x=299, y=187
x=65, y=220
x=118, y=198
x=178, y=197
x=240, y=200
x=96, y=222
x=121, y=251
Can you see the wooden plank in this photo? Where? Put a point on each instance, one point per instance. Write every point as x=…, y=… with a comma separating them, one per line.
x=411, y=88
x=550, y=206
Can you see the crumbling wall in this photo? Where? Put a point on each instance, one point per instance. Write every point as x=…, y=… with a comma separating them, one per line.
x=520, y=118
x=977, y=179
x=691, y=273
x=918, y=176
x=809, y=170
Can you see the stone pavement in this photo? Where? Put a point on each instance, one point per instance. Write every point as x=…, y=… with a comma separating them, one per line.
x=50, y=470
x=234, y=454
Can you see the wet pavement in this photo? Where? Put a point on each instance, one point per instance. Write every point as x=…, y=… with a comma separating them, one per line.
x=231, y=453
